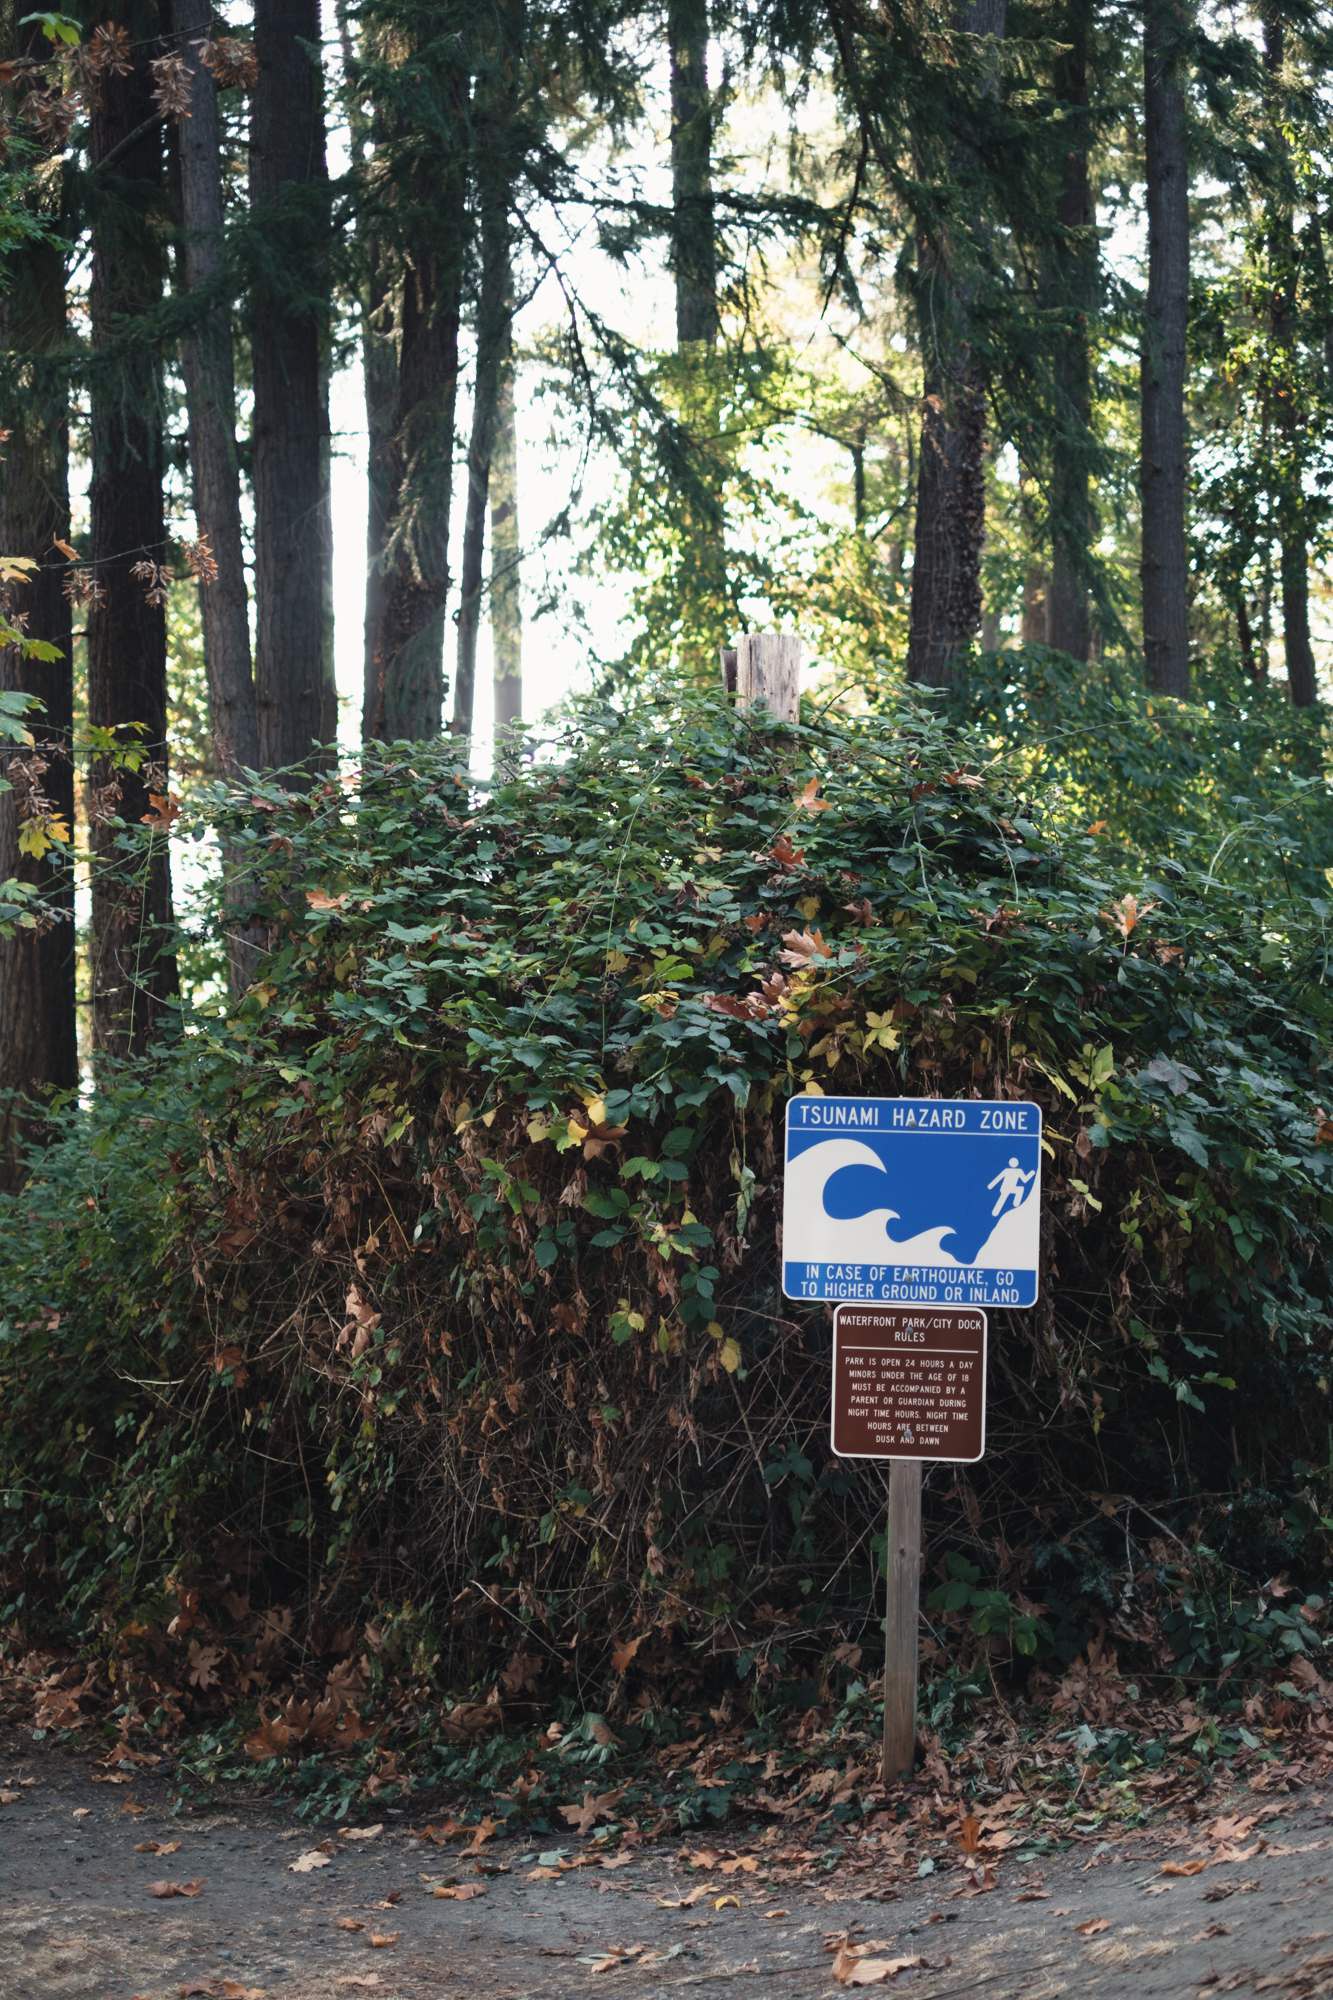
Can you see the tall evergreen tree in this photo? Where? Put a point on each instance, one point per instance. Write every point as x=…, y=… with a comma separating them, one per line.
x=418, y=76
x=951, y=504
x=496, y=106
x=1283, y=262
x=38, y=1051
x=1164, y=568
x=295, y=695
x=210, y=387
x=506, y=558
x=1072, y=282
x=693, y=235
x=133, y=970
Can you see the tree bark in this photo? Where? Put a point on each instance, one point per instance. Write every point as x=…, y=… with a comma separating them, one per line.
x=38, y=1045
x=1162, y=467
x=404, y=694
x=1075, y=282
x=506, y=556
x=951, y=500
x=694, y=242
x=210, y=385
x=495, y=311
x=133, y=971
x=295, y=695
x=1290, y=468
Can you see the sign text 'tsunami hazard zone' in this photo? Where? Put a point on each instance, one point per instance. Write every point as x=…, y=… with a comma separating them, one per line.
x=912, y=1200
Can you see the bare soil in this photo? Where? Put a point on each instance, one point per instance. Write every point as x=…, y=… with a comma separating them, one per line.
x=1126, y=1919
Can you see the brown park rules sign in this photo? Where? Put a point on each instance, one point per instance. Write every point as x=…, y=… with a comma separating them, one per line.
x=909, y=1382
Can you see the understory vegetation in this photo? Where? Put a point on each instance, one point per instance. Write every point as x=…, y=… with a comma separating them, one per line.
x=410, y=1327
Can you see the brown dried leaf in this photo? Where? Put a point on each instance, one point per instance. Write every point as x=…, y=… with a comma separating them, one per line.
x=164, y=1889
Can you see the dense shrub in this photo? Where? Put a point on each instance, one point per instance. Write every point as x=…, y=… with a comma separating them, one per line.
x=433, y=1287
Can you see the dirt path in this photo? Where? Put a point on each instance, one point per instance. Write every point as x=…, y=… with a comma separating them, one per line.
x=1117, y=1922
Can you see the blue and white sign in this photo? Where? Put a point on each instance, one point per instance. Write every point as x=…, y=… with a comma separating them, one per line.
x=912, y=1201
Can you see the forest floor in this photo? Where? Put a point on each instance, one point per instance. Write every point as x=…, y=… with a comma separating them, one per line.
x=108, y=1893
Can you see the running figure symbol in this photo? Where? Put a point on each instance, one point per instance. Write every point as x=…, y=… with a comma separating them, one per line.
x=1011, y=1182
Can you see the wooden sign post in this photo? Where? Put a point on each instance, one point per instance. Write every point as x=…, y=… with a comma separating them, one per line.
x=909, y=1384
x=902, y=1614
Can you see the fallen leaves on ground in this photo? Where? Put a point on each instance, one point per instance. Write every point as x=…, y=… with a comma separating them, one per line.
x=362, y=1832
x=165, y=1889
x=1195, y=1867
x=157, y=1847
x=1093, y=1926
x=382, y=1940
x=485, y=1830
x=304, y=1864
x=461, y=1892
x=583, y=1818
x=349, y=1924
x=221, y=1989
x=855, y=1965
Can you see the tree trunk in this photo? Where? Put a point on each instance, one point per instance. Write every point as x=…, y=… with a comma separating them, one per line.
x=1075, y=282
x=210, y=384
x=295, y=696
x=133, y=969
x=378, y=300
x=951, y=499
x=506, y=583
x=1164, y=561
x=1034, y=623
x=38, y=1048
x=405, y=644
x=497, y=102
x=1287, y=415
x=694, y=243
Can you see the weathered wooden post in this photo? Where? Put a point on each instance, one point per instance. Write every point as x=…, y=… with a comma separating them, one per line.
x=768, y=673
x=902, y=1613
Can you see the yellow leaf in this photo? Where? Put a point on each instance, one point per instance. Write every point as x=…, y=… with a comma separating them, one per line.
x=596, y=1109
x=616, y=961
x=538, y=1129
x=576, y=1130
x=33, y=838
x=727, y=1903
x=729, y=1354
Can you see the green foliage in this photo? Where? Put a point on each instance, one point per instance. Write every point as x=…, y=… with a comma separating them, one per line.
x=424, y=1303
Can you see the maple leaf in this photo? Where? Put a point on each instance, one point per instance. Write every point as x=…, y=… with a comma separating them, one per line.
x=157, y=1847
x=1128, y=914
x=1093, y=1926
x=809, y=800
x=462, y=1892
x=165, y=1889
x=306, y=1863
x=203, y=1665
x=803, y=947
x=1184, y=1867
x=362, y=1832
x=164, y=809
x=584, y=1817
x=319, y=899
x=785, y=854
x=851, y=1968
